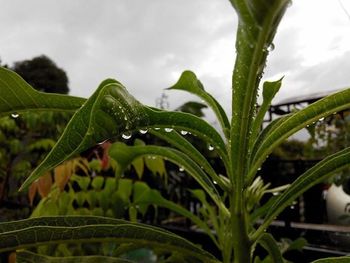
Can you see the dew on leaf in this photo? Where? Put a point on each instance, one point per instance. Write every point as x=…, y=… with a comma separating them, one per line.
x=210, y=147
x=184, y=132
x=102, y=142
x=168, y=129
x=143, y=131
x=126, y=135
x=181, y=169
x=14, y=115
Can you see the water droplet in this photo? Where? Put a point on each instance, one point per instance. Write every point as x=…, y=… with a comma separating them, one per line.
x=215, y=182
x=102, y=142
x=168, y=129
x=183, y=132
x=259, y=168
x=181, y=169
x=14, y=115
x=276, y=193
x=143, y=131
x=292, y=207
x=126, y=135
x=210, y=147
x=321, y=119
x=271, y=47
x=157, y=129
x=125, y=118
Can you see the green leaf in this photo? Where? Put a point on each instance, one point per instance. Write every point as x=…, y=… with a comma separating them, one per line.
x=109, y=112
x=212, y=215
x=313, y=176
x=186, y=122
x=83, y=181
x=97, y=182
x=155, y=164
x=80, y=133
x=297, y=244
x=30, y=257
x=139, y=166
x=269, y=243
x=125, y=189
x=52, y=230
x=193, y=107
x=178, y=141
x=153, y=197
x=189, y=82
x=139, y=189
x=270, y=89
x=110, y=185
x=124, y=155
x=293, y=123
x=333, y=260
x=17, y=96
x=41, y=144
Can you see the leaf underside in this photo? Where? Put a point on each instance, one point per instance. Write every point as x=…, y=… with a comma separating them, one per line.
x=70, y=229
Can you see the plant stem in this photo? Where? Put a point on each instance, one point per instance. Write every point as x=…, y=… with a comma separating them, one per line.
x=241, y=243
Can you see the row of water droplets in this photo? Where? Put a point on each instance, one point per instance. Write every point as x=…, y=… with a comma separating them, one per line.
x=128, y=134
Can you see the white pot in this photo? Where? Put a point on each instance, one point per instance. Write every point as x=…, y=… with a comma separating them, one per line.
x=338, y=206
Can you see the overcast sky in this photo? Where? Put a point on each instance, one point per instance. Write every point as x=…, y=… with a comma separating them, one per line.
x=146, y=44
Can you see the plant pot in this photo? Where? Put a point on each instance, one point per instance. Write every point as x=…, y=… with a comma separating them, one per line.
x=338, y=212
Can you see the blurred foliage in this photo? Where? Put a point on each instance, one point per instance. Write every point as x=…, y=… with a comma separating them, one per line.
x=193, y=107
x=327, y=136
x=24, y=141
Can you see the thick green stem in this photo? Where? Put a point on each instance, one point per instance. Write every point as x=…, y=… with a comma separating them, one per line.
x=241, y=242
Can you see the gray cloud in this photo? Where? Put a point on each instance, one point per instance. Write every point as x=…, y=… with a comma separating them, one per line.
x=147, y=44
x=144, y=44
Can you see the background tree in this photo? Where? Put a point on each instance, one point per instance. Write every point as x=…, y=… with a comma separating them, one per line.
x=43, y=74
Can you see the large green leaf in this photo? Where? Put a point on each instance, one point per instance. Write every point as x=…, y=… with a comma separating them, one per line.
x=293, y=123
x=124, y=155
x=327, y=167
x=29, y=257
x=52, y=230
x=109, y=112
x=189, y=82
x=17, y=96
